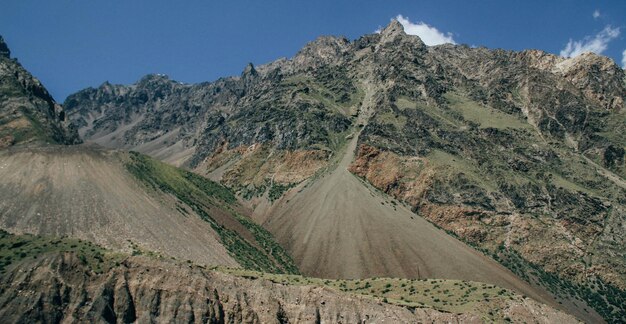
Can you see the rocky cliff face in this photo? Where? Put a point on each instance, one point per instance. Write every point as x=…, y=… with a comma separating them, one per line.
x=140, y=289
x=158, y=114
x=27, y=111
x=520, y=154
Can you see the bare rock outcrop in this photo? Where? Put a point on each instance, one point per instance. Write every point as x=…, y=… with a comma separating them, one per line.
x=28, y=113
x=60, y=288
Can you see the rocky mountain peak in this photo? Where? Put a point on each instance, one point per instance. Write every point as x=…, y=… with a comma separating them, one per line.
x=395, y=31
x=4, y=49
x=539, y=59
x=249, y=71
x=586, y=60
x=323, y=50
x=599, y=77
x=28, y=113
x=154, y=77
x=153, y=81
x=107, y=87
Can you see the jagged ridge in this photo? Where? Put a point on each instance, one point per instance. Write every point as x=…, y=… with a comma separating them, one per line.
x=27, y=111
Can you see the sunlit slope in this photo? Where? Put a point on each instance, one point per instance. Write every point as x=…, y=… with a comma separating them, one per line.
x=129, y=201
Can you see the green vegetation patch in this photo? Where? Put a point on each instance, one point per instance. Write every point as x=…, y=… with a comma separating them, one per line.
x=483, y=115
x=448, y=117
x=210, y=188
x=269, y=245
x=277, y=190
x=606, y=299
x=203, y=196
x=453, y=296
x=461, y=165
x=389, y=117
x=16, y=248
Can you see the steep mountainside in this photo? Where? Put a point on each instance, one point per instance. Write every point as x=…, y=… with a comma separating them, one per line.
x=27, y=111
x=63, y=280
x=130, y=202
x=124, y=201
x=75, y=196
x=520, y=154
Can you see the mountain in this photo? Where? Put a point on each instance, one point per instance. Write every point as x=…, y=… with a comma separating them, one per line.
x=518, y=154
x=123, y=201
x=27, y=111
x=107, y=235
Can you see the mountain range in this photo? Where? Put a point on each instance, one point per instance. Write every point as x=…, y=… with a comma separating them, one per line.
x=379, y=157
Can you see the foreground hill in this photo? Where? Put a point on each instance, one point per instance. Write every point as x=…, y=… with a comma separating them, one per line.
x=520, y=154
x=97, y=285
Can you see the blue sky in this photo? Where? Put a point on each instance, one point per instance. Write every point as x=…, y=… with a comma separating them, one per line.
x=73, y=44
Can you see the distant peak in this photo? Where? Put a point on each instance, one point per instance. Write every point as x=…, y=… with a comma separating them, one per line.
x=249, y=70
x=394, y=28
x=154, y=77
x=4, y=49
x=106, y=85
x=395, y=31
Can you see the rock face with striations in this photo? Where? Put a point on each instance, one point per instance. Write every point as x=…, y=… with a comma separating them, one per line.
x=144, y=290
x=27, y=111
x=518, y=153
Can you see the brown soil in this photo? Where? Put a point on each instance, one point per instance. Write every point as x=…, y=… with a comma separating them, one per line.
x=259, y=164
x=87, y=193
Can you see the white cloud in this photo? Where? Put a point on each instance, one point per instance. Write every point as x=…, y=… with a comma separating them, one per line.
x=429, y=34
x=596, y=44
x=596, y=14
x=624, y=59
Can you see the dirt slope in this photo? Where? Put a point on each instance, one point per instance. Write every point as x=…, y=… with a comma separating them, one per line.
x=87, y=193
x=338, y=227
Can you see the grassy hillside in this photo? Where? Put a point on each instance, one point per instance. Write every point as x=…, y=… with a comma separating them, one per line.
x=248, y=243
x=15, y=248
x=605, y=298
x=453, y=296
x=492, y=180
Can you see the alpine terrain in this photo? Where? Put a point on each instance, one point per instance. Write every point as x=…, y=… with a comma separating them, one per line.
x=371, y=180
x=386, y=157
